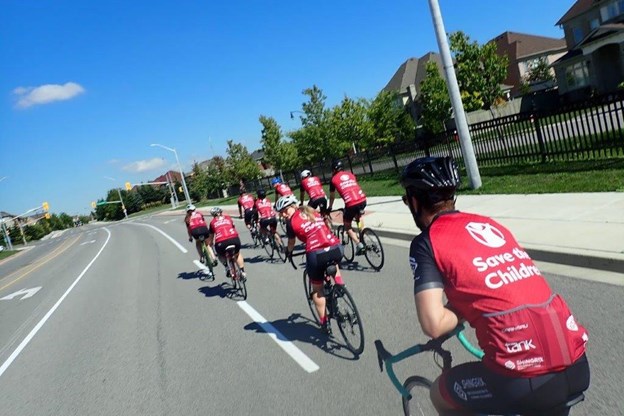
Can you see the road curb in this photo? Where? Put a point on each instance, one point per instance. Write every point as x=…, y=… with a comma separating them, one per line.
x=550, y=256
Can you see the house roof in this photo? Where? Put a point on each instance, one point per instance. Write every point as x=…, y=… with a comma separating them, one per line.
x=257, y=155
x=412, y=71
x=602, y=31
x=524, y=45
x=174, y=175
x=578, y=8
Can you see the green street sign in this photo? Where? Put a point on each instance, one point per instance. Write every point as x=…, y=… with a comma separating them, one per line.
x=101, y=203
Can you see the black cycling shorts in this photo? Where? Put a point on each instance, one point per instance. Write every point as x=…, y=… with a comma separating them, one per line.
x=320, y=203
x=318, y=260
x=249, y=215
x=199, y=231
x=355, y=211
x=474, y=387
x=268, y=222
x=221, y=246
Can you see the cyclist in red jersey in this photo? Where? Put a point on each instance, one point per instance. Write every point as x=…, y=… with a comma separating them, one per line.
x=247, y=203
x=196, y=227
x=322, y=246
x=224, y=234
x=266, y=216
x=314, y=187
x=354, y=200
x=534, y=349
x=281, y=189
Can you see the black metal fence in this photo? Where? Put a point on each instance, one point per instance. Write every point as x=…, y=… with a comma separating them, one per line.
x=585, y=130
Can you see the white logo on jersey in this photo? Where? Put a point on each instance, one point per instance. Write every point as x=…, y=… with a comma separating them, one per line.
x=459, y=391
x=413, y=264
x=571, y=324
x=486, y=234
x=344, y=177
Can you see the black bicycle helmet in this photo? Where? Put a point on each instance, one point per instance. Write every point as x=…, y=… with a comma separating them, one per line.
x=431, y=179
x=261, y=193
x=337, y=165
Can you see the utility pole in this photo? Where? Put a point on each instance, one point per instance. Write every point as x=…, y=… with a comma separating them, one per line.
x=465, y=142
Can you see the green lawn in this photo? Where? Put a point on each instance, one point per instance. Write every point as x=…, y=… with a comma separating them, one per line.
x=7, y=253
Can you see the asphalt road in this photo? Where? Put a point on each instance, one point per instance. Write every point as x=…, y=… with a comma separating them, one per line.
x=120, y=324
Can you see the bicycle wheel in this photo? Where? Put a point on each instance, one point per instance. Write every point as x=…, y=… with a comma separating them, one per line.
x=281, y=253
x=307, y=285
x=208, y=260
x=348, y=319
x=282, y=224
x=239, y=282
x=373, y=249
x=420, y=403
x=347, y=244
x=268, y=247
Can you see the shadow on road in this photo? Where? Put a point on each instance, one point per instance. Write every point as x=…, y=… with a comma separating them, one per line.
x=223, y=290
x=356, y=266
x=198, y=274
x=299, y=328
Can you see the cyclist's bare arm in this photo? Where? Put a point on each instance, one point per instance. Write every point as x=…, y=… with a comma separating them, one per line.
x=332, y=196
x=435, y=319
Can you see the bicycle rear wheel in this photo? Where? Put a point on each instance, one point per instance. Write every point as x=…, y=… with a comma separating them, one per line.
x=348, y=319
x=239, y=282
x=420, y=403
x=307, y=285
x=268, y=247
x=281, y=253
x=374, y=252
x=347, y=244
x=282, y=224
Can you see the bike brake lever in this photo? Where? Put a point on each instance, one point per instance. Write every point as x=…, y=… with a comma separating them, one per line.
x=382, y=354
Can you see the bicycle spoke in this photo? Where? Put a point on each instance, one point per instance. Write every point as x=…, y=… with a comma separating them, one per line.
x=348, y=319
x=373, y=249
x=420, y=403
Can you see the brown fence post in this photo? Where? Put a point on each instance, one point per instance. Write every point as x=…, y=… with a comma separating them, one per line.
x=540, y=138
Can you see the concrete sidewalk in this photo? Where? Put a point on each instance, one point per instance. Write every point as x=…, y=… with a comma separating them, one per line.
x=581, y=229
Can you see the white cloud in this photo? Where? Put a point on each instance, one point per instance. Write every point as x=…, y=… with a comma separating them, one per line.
x=44, y=94
x=145, y=165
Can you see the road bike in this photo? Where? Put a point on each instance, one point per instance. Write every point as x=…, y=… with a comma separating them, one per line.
x=415, y=390
x=339, y=306
x=256, y=238
x=237, y=279
x=373, y=249
x=273, y=246
x=206, y=259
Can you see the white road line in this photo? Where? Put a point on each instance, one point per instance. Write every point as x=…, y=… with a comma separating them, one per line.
x=175, y=243
x=43, y=320
x=172, y=220
x=295, y=353
x=201, y=265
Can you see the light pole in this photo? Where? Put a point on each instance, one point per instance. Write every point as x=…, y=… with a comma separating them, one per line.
x=186, y=193
x=123, y=206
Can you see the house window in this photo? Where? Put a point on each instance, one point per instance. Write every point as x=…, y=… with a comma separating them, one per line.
x=594, y=23
x=610, y=11
x=577, y=33
x=577, y=75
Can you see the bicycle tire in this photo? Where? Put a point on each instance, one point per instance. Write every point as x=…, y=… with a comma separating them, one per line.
x=347, y=244
x=281, y=253
x=282, y=224
x=268, y=247
x=348, y=319
x=420, y=403
x=374, y=251
x=241, y=285
x=307, y=285
x=208, y=261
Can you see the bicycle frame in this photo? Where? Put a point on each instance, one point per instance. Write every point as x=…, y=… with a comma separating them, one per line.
x=389, y=360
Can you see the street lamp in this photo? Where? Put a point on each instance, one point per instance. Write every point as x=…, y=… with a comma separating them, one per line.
x=186, y=193
x=123, y=207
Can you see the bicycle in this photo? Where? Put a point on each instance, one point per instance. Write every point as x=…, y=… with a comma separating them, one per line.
x=207, y=260
x=373, y=249
x=256, y=238
x=415, y=390
x=236, y=274
x=339, y=306
x=273, y=247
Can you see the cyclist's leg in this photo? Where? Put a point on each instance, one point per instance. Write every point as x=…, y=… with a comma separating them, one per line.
x=275, y=235
x=348, y=216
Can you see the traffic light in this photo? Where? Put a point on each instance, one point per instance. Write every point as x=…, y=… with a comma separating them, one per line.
x=93, y=205
x=45, y=206
x=128, y=186
x=47, y=215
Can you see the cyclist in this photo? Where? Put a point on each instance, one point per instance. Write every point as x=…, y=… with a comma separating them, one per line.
x=354, y=200
x=196, y=227
x=267, y=218
x=247, y=203
x=281, y=189
x=223, y=234
x=534, y=349
x=322, y=247
x=313, y=186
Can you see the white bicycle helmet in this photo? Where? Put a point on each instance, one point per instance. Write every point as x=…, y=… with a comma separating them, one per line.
x=190, y=207
x=305, y=174
x=285, y=202
x=216, y=211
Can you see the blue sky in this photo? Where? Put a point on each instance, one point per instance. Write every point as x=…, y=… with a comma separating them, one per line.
x=86, y=86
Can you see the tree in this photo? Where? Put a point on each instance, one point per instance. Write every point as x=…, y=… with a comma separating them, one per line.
x=540, y=72
x=198, y=187
x=240, y=164
x=350, y=126
x=434, y=100
x=278, y=153
x=480, y=71
x=390, y=121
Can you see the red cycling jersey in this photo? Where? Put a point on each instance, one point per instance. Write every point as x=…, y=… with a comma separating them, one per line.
x=282, y=189
x=313, y=186
x=522, y=326
x=314, y=234
x=246, y=201
x=346, y=185
x=223, y=228
x=264, y=208
x=196, y=220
